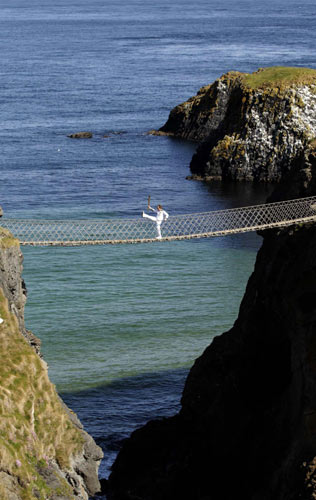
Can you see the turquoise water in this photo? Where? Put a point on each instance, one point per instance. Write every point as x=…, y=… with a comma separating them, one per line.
x=110, y=312
x=120, y=326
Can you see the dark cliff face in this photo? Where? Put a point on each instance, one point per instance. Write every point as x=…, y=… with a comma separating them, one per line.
x=247, y=425
x=249, y=127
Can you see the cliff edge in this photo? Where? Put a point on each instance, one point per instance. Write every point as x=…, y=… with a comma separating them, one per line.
x=247, y=425
x=249, y=126
x=44, y=451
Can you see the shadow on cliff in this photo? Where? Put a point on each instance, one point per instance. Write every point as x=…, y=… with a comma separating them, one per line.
x=248, y=418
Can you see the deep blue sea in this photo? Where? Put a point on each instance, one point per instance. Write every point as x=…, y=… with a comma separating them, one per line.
x=120, y=326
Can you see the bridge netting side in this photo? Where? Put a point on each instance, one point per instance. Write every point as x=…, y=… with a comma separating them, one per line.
x=207, y=224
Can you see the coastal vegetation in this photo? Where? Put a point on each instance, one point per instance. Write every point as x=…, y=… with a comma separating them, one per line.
x=280, y=77
x=44, y=451
x=6, y=239
x=35, y=430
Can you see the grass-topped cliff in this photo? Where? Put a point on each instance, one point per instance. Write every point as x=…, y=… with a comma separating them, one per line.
x=249, y=126
x=34, y=427
x=44, y=453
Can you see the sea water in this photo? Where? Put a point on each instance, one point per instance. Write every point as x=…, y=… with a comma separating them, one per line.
x=121, y=325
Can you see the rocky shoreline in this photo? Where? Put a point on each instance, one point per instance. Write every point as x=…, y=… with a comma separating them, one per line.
x=249, y=127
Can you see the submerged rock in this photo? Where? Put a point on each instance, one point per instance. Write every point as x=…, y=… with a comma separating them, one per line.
x=247, y=425
x=249, y=126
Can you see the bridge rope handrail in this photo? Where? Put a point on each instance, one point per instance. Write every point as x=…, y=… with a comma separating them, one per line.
x=73, y=232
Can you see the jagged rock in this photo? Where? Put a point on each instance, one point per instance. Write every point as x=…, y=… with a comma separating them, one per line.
x=11, y=266
x=81, y=135
x=247, y=425
x=12, y=283
x=249, y=126
x=86, y=465
x=159, y=132
x=9, y=485
x=1, y=211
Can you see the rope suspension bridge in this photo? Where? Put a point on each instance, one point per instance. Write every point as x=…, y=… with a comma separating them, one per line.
x=36, y=232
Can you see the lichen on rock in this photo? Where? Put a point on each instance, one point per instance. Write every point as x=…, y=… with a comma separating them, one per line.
x=248, y=126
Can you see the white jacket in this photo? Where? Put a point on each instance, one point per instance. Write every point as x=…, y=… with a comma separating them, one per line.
x=161, y=215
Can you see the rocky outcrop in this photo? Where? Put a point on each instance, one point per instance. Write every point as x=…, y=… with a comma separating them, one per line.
x=12, y=284
x=249, y=126
x=44, y=451
x=247, y=425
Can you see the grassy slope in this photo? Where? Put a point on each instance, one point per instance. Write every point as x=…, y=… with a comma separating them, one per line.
x=279, y=76
x=34, y=428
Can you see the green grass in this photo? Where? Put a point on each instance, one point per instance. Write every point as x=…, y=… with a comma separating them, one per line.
x=34, y=427
x=6, y=239
x=280, y=77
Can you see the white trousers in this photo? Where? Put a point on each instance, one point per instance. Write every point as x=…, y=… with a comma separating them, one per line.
x=158, y=224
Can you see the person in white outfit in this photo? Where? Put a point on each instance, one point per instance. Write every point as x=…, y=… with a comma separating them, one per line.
x=161, y=215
